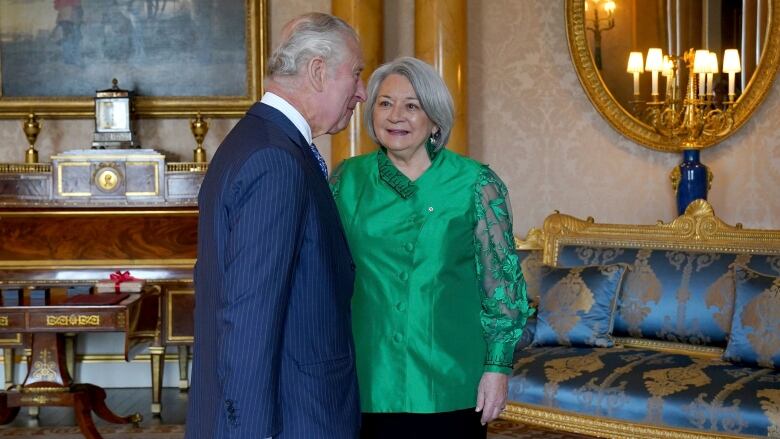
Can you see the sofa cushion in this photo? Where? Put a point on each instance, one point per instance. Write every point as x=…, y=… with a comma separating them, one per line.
x=755, y=329
x=674, y=296
x=577, y=305
x=649, y=387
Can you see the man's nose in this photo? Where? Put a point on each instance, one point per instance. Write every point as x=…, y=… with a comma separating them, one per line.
x=360, y=93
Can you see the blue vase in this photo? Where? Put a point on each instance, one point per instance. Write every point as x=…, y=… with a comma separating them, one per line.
x=693, y=180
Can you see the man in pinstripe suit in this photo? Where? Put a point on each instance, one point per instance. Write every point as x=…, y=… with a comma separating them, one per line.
x=273, y=353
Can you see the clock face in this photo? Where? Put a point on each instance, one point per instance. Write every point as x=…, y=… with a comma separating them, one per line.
x=107, y=179
x=112, y=115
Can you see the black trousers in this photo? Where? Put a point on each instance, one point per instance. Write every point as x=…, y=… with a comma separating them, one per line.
x=460, y=424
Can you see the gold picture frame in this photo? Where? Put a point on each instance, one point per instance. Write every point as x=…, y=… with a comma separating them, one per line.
x=149, y=105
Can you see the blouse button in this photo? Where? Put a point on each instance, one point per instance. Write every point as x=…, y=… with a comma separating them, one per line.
x=430, y=209
x=400, y=306
x=398, y=338
x=403, y=275
x=409, y=247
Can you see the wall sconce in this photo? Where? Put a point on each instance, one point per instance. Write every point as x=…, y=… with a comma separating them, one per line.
x=597, y=24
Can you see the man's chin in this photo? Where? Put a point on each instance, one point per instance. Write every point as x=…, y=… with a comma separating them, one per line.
x=342, y=123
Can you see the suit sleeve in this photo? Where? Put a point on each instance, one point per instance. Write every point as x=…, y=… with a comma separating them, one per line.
x=265, y=211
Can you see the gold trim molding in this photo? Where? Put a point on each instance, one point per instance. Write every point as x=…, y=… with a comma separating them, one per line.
x=553, y=419
x=698, y=230
x=256, y=20
x=25, y=168
x=759, y=87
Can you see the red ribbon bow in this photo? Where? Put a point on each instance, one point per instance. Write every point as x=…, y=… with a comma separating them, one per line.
x=118, y=277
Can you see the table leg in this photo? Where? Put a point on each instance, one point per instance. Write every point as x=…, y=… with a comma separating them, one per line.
x=8, y=365
x=158, y=366
x=184, y=354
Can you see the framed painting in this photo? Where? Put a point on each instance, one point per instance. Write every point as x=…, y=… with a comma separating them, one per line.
x=178, y=56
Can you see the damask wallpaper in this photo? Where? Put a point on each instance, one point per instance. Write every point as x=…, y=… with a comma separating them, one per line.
x=530, y=120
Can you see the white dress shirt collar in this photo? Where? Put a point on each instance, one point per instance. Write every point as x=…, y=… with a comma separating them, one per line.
x=290, y=112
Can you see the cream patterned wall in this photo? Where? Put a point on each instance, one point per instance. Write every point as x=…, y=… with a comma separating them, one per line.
x=531, y=121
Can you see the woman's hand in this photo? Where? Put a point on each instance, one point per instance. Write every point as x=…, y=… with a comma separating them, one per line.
x=491, y=395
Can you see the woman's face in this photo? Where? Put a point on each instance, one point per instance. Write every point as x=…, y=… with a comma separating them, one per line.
x=400, y=123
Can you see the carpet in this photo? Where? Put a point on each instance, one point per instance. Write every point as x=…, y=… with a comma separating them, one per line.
x=498, y=430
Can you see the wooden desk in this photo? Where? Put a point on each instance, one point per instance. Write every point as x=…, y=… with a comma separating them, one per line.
x=63, y=247
x=48, y=381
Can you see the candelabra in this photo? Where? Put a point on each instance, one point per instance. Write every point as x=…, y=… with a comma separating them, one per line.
x=690, y=122
x=598, y=24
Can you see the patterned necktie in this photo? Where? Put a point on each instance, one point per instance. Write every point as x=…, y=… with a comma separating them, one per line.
x=320, y=160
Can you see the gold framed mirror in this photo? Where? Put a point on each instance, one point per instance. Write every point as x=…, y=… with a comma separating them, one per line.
x=752, y=25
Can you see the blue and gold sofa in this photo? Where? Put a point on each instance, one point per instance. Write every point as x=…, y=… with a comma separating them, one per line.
x=665, y=375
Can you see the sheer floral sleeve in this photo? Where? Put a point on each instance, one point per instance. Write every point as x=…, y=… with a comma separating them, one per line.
x=504, y=301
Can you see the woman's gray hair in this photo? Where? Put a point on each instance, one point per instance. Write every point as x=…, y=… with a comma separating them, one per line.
x=434, y=96
x=308, y=36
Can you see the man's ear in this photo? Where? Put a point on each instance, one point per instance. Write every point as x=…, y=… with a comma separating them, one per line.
x=315, y=73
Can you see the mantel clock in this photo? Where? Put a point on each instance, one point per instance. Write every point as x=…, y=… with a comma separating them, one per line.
x=113, y=108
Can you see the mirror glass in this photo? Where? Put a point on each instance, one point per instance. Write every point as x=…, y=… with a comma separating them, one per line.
x=602, y=35
x=618, y=27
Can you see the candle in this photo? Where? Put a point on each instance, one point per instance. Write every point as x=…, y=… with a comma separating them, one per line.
x=635, y=66
x=636, y=83
x=655, y=83
x=732, y=66
x=655, y=65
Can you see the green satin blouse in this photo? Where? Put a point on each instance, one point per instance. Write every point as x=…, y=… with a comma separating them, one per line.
x=439, y=295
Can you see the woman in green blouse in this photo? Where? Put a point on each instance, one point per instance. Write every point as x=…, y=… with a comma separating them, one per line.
x=440, y=300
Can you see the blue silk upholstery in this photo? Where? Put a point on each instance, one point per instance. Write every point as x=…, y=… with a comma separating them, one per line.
x=577, y=305
x=755, y=329
x=675, y=296
x=650, y=387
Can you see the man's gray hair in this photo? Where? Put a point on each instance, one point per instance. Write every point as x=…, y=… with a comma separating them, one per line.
x=310, y=35
x=434, y=96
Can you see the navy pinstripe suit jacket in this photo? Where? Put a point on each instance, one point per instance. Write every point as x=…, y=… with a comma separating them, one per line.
x=273, y=353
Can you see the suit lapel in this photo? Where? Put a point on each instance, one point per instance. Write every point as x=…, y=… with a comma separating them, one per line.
x=275, y=116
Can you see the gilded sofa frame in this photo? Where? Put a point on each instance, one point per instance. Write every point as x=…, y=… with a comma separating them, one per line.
x=698, y=230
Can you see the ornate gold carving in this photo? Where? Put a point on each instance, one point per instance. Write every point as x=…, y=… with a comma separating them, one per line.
x=186, y=167
x=671, y=347
x=626, y=124
x=73, y=320
x=61, y=389
x=25, y=168
x=533, y=241
x=35, y=400
x=44, y=368
x=558, y=420
x=698, y=230
x=770, y=404
x=4, y=321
